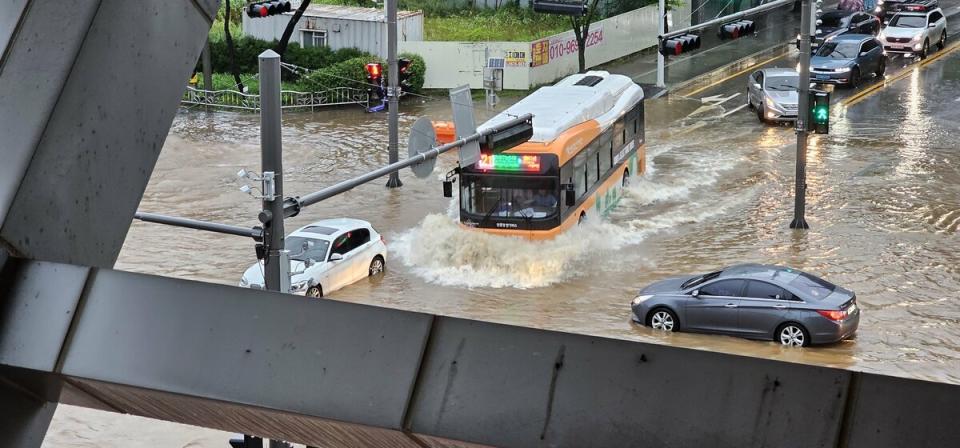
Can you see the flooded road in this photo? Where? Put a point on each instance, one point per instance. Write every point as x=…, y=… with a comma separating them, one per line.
x=883, y=206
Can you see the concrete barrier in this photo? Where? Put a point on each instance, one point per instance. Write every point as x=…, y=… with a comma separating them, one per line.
x=338, y=374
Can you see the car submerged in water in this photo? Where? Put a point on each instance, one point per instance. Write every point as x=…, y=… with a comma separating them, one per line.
x=754, y=301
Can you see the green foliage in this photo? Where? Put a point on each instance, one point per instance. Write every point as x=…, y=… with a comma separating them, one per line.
x=349, y=73
x=508, y=23
x=248, y=48
x=353, y=73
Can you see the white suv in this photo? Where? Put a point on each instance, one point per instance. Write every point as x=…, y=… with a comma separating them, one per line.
x=914, y=32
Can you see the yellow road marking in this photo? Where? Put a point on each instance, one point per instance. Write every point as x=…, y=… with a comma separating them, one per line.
x=876, y=87
x=752, y=67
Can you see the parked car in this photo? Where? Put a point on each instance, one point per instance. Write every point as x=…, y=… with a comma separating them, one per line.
x=753, y=301
x=886, y=9
x=846, y=59
x=772, y=92
x=913, y=32
x=326, y=256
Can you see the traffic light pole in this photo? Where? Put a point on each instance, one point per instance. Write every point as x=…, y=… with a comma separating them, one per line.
x=276, y=264
x=393, y=94
x=803, y=114
x=661, y=59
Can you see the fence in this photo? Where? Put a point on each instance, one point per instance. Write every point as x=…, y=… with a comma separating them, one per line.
x=289, y=99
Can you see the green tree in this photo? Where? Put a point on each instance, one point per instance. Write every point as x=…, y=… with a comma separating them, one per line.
x=581, y=29
x=232, y=52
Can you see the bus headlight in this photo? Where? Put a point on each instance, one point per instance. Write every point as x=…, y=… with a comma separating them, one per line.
x=640, y=299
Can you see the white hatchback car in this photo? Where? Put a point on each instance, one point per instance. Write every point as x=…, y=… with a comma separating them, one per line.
x=915, y=32
x=326, y=256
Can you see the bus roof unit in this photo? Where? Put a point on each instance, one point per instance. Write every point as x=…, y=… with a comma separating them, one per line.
x=572, y=101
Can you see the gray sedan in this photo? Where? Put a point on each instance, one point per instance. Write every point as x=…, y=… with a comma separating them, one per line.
x=772, y=92
x=753, y=301
x=846, y=59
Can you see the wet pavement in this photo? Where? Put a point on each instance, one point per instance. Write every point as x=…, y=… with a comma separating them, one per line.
x=883, y=206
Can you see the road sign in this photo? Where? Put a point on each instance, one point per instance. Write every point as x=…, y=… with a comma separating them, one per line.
x=422, y=139
x=464, y=123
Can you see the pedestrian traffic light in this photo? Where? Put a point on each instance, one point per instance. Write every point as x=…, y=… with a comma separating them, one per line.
x=677, y=45
x=269, y=8
x=404, y=71
x=734, y=30
x=819, y=112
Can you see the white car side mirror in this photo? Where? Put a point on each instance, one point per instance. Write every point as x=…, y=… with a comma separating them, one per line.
x=336, y=257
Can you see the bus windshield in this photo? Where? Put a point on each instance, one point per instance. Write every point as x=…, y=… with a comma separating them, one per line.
x=509, y=196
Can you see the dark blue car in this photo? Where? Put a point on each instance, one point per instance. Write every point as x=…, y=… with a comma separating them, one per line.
x=847, y=59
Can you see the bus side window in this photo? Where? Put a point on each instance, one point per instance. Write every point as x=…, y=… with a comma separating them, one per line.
x=592, y=165
x=580, y=173
x=618, y=133
x=604, y=155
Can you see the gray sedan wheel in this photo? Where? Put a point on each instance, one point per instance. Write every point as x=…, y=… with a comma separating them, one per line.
x=793, y=335
x=663, y=319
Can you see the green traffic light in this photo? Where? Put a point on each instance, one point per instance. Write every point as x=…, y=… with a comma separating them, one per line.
x=821, y=114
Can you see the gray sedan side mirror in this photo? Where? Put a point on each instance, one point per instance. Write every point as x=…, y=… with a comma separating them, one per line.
x=756, y=85
x=336, y=257
x=695, y=293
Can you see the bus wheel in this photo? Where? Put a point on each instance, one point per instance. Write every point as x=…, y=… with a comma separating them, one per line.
x=626, y=178
x=582, y=219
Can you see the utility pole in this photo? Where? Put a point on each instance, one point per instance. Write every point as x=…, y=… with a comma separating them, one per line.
x=393, y=93
x=803, y=113
x=276, y=263
x=661, y=60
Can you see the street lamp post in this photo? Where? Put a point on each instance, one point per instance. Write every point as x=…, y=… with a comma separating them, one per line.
x=803, y=112
x=276, y=263
x=393, y=93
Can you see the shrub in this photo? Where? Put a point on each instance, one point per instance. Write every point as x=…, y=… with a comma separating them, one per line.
x=353, y=73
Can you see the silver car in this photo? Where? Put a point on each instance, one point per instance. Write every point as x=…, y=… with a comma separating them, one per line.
x=772, y=92
x=752, y=301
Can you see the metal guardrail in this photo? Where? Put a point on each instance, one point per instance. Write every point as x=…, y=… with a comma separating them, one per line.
x=289, y=99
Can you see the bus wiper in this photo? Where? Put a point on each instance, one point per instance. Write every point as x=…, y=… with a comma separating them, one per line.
x=489, y=213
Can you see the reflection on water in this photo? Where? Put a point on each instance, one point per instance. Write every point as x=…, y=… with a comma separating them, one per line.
x=883, y=205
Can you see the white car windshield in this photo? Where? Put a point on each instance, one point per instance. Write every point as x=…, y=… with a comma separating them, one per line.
x=303, y=249
x=783, y=83
x=909, y=22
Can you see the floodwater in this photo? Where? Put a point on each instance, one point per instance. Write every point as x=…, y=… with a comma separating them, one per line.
x=883, y=207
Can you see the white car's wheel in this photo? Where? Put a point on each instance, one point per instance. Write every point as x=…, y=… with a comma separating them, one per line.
x=314, y=291
x=377, y=266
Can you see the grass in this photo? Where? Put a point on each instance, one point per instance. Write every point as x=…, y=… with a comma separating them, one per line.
x=504, y=24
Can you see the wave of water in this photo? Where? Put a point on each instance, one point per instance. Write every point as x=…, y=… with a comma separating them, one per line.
x=440, y=251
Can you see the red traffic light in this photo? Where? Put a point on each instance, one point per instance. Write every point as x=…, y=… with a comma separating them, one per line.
x=734, y=30
x=268, y=8
x=374, y=69
x=677, y=45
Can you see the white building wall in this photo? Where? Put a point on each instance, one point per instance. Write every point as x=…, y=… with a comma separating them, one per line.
x=369, y=36
x=450, y=64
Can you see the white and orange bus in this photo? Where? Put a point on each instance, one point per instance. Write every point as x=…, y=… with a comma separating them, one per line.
x=588, y=139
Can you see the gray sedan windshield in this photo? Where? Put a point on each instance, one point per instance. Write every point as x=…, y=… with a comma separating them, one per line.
x=839, y=50
x=812, y=287
x=783, y=83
